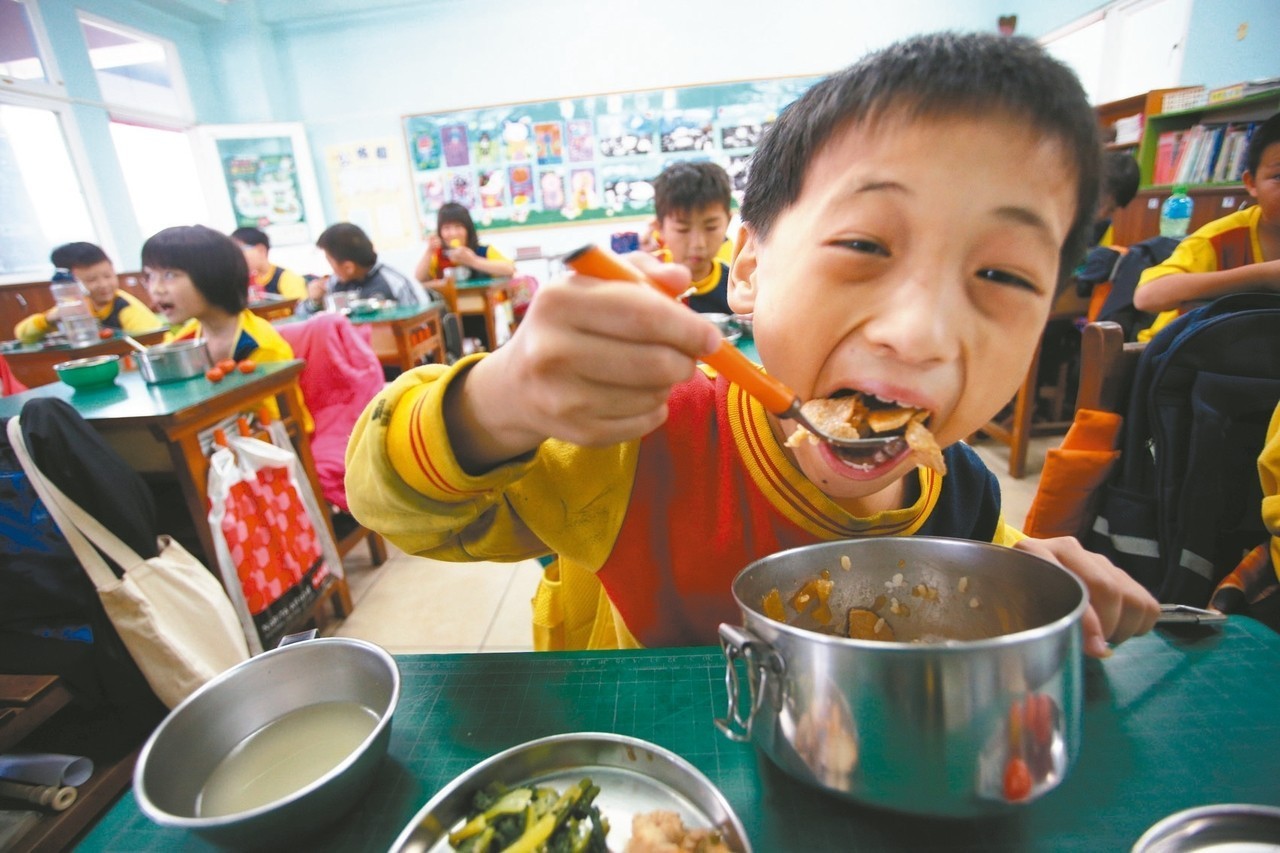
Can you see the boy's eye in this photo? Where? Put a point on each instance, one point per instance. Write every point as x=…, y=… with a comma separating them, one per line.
x=1002, y=277
x=869, y=247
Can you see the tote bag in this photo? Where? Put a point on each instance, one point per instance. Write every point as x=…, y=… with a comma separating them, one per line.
x=170, y=611
x=274, y=548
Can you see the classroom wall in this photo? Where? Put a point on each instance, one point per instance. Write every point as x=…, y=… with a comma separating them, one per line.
x=348, y=72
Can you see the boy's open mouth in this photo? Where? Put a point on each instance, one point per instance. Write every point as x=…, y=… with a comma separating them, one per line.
x=855, y=414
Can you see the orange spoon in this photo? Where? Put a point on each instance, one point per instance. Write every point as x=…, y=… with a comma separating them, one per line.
x=776, y=397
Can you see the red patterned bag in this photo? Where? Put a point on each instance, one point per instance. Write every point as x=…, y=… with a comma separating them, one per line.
x=274, y=549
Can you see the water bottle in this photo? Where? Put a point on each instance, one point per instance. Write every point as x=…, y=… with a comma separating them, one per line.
x=1175, y=214
x=75, y=317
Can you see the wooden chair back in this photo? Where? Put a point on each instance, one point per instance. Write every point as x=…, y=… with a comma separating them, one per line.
x=1107, y=366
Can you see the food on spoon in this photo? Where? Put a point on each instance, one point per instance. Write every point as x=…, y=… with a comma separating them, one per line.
x=857, y=415
x=664, y=832
x=532, y=819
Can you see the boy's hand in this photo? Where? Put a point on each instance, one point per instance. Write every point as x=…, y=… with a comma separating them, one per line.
x=592, y=363
x=316, y=289
x=463, y=255
x=1119, y=607
x=434, y=242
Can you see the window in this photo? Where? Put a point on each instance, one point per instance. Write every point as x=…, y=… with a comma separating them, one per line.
x=160, y=172
x=23, y=56
x=41, y=202
x=135, y=72
x=1125, y=48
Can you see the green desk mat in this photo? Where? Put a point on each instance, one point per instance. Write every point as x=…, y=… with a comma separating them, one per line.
x=1172, y=721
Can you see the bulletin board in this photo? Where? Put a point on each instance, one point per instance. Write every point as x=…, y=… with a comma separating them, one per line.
x=587, y=158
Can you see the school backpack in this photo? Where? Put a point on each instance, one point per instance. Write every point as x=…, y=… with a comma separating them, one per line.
x=51, y=621
x=1185, y=503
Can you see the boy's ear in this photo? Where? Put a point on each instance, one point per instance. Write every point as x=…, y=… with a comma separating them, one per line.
x=742, y=272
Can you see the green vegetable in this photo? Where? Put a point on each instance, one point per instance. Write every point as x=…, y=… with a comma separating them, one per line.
x=533, y=819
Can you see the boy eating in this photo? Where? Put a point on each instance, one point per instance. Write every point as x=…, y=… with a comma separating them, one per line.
x=114, y=308
x=917, y=216
x=692, y=201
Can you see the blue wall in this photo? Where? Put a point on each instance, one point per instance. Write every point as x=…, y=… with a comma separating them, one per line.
x=349, y=72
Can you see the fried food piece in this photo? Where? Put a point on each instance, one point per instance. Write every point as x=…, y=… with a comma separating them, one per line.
x=851, y=417
x=772, y=605
x=665, y=832
x=867, y=625
x=920, y=440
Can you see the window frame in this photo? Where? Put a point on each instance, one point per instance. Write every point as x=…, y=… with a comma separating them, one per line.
x=79, y=156
x=53, y=85
x=1113, y=15
x=184, y=119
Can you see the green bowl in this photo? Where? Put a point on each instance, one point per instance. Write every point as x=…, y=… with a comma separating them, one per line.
x=92, y=372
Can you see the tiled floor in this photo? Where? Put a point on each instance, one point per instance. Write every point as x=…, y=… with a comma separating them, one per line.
x=415, y=605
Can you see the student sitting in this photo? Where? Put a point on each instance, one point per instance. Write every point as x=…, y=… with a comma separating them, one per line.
x=692, y=200
x=455, y=242
x=356, y=271
x=919, y=213
x=1119, y=185
x=266, y=276
x=114, y=308
x=199, y=280
x=1240, y=251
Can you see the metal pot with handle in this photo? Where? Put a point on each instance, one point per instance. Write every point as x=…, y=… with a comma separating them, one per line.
x=973, y=707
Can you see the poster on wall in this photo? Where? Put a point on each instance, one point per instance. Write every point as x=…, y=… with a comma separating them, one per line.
x=262, y=179
x=585, y=158
x=367, y=182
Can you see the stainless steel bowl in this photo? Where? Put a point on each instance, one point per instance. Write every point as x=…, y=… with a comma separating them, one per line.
x=173, y=362
x=974, y=708
x=177, y=762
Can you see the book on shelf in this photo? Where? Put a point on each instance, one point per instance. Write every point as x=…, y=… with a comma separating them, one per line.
x=1168, y=145
x=1202, y=154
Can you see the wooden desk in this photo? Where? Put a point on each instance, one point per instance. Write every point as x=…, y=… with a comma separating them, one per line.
x=164, y=430
x=33, y=363
x=1153, y=742
x=273, y=308
x=479, y=297
x=405, y=336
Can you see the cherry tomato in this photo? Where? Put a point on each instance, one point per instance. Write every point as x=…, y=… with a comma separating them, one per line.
x=227, y=365
x=213, y=374
x=247, y=366
x=106, y=334
x=1017, y=780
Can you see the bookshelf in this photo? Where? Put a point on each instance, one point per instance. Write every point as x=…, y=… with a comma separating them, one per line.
x=1204, y=145
x=1212, y=198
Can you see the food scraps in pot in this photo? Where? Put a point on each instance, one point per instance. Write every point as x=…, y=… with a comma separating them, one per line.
x=860, y=415
x=533, y=818
x=664, y=832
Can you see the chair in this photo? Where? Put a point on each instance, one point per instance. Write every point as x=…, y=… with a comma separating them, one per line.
x=1107, y=364
x=341, y=376
x=1066, y=497
x=1017, y=429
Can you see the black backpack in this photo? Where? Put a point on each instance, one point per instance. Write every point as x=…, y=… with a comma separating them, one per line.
x=51, y=622
x=1186, y=503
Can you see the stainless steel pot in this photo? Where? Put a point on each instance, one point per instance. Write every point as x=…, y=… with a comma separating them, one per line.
x=177, y=764
x=174, y=361
x=987, y=718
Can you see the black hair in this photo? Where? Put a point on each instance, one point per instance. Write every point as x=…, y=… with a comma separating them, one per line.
x=459, y=215
x=80, y=254
x=214, y=263
x=934, y=76
x=688, y=185
x=1120, y=176
x=348, y=242
x=1263, y=135
x=251, y=237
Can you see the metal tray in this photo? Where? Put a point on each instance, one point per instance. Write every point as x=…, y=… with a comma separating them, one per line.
x=634, y=776
x=1229, y=826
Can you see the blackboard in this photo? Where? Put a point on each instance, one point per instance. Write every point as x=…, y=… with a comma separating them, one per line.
x=586, y=158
